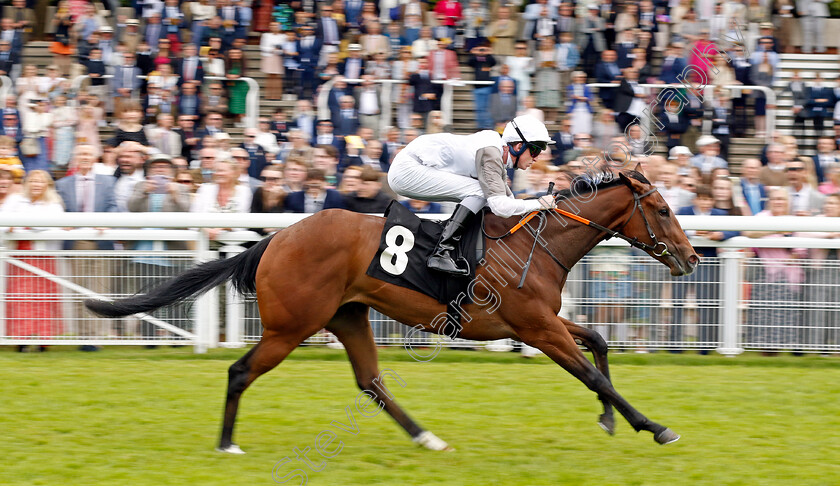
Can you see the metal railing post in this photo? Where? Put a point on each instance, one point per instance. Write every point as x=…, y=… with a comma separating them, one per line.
x=446, y=105
x=731, y=298
x=3, y=254
x=203, y=313
x=252, y=103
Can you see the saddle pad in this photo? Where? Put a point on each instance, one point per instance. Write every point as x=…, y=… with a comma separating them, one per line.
x=407, y=242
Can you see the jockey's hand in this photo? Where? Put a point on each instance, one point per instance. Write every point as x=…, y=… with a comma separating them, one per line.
x=547, y=202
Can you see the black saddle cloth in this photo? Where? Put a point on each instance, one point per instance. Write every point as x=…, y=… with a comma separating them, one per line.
x=407, y=242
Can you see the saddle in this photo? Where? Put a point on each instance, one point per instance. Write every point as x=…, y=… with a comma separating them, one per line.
x=407, y=242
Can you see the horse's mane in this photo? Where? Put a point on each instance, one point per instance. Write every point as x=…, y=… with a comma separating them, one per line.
x=590, y=182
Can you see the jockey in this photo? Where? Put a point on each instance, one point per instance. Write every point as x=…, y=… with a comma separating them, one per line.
x=469, y=170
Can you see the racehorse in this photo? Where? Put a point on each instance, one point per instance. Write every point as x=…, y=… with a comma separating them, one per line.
x=312, y=275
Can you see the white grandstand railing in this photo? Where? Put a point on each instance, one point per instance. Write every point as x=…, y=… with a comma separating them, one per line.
x=202, y=329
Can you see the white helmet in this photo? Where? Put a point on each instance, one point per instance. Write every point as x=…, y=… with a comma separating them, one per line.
x=526, y=128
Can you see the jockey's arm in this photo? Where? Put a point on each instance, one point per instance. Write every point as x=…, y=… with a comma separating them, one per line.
x=491, y=175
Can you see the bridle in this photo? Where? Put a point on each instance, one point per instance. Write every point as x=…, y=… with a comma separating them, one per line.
x=634, y=242
x=637, y=204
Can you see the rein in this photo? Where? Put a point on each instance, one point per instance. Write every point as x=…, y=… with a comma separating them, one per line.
x=634, y=242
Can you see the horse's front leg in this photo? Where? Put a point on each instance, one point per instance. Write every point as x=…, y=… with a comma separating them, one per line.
x=593, y=341
x=552, y=337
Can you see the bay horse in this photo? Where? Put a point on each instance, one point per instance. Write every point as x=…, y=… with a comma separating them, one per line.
x=312, y=275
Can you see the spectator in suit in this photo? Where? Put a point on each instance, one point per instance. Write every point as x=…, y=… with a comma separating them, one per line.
x=186, y=131
x=256, y=153
x=315, y=196
x=155, y=31
x=231, y=19
x=800, y=94
x=673, y=65
x=482, y=61
x=215, y=101
x=369, y=197
x=189, y=68
x=304, y=119
x=563, y=140
x=308, y=52
x=327, y=136
x=741, y=67
x=125, y=83
x=8, y=58
x=607, y=71
x=270, y=197
x=812, y=15
x=720, y=112
x=189, y=102
x=592, y=37
x=805, y=199
x=12, y=129
x=825, y=157
x=503, y=104
x=353, y=67
x=820, y=103
x=425, y=97
x=346, y=120
x=753, y=191
x=87, y=192
x=675, y=122
x=369, y=156
x=629, y=99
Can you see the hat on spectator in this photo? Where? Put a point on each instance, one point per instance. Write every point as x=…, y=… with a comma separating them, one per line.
x=158, y=157
x=706, y=140
x=594, y=6
x=678, y=150
x=106, y=28
x=221, y=136
x=765, y=25
x=355, y=47
x=132, y=22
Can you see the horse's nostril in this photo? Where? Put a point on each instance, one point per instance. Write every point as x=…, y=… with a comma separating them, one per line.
x=693, y=260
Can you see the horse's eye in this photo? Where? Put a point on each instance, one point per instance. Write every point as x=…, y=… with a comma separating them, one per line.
x=663, y=212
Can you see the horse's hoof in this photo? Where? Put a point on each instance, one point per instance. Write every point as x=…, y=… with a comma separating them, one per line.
x=666, y=437
x=607, y=422
x=432, y=442
x=231, y=449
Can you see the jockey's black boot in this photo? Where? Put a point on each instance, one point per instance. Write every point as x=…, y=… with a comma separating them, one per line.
x=442, y=260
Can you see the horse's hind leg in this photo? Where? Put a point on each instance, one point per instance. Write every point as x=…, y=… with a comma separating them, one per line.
x=352, y=327
x=262, y=358
x=596, y=344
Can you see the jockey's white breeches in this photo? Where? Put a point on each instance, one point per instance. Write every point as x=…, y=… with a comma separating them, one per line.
x=410, y=178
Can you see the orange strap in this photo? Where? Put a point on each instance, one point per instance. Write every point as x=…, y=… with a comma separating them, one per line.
x=567, y=214
x=523, y=222
x=573, y=216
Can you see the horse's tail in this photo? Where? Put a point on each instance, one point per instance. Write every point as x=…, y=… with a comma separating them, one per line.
x=240, y=269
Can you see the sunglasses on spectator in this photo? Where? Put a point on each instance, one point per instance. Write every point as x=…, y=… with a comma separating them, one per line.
x=271, y=179
x=795, y=169
x=184, y=181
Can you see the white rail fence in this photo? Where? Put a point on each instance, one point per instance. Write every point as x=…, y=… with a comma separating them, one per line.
x=735, y=301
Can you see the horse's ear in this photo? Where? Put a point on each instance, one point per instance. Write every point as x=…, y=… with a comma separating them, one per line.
x=626, y=180
x=638, y=167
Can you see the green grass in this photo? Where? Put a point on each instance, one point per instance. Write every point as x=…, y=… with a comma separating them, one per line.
x=151, y=417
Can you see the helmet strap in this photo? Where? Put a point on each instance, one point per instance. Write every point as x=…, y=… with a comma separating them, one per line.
x=517, y=153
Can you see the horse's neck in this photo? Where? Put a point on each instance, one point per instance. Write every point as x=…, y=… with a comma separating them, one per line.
x=573, y=240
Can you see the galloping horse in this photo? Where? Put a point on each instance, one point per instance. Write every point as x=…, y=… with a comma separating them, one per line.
x=312, y=275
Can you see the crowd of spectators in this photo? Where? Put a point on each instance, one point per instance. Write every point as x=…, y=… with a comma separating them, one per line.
x=156, y=126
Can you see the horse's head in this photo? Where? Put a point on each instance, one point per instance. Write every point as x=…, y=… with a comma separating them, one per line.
x=654, y=224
